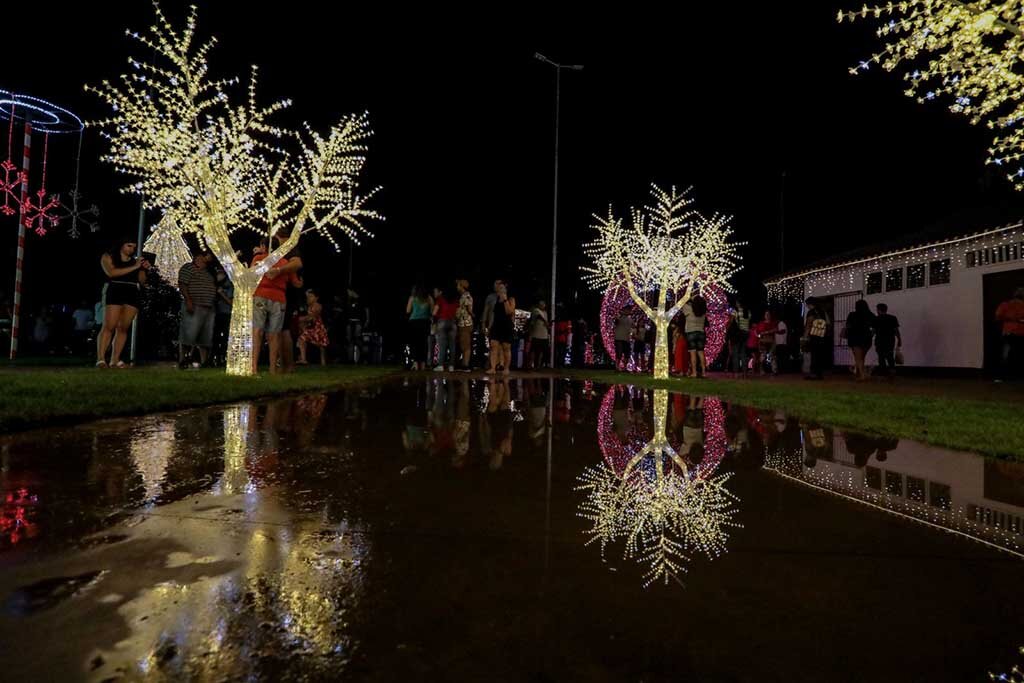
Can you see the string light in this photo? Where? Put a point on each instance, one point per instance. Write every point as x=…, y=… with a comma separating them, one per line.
x=969, y=54
x=214, y=168
x=669, y=252
x=167, y=243
x=848, y=275
x=648, y=495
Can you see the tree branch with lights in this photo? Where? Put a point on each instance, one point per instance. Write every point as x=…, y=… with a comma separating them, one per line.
x=215, y=168
x=667, y=254
x=968, y=53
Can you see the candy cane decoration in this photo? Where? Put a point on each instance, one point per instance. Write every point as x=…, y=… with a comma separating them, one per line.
x=25, y=159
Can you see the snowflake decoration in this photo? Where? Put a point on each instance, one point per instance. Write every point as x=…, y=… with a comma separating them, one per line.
x=89, y=217
x=42, y=215
x=10, y=180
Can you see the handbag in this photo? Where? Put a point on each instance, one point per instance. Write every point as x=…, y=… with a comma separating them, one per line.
x=899, y=356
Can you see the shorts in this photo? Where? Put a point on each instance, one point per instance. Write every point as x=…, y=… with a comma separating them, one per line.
x=267, y=315
x=196, y=328
x=695, y=340
x=117, y=293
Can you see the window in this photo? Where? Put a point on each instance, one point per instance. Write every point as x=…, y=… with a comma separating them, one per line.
x=894, y=280
x=894, y=483
x=940, y=495
x=915, y=276
x=971, y=259
x=873, y=478
x=915, y=489
x=873, y=283
x=939, y=272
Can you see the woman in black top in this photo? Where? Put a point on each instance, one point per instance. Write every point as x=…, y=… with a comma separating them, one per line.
x=125, y=274
x=859, y=331
x=502, y=330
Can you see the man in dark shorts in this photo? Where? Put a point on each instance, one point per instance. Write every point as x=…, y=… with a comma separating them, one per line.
x=887, y=340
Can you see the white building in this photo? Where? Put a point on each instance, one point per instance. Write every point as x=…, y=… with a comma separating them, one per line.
x=944, y=292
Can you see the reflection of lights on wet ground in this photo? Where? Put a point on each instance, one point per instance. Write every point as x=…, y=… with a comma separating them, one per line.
x=151, y=448
x=645, y=494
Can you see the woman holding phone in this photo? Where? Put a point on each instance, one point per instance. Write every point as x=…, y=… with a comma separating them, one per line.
x=125, y=275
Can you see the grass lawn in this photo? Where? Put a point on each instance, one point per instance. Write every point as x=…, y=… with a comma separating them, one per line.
x=33, y=397
x=993, y=425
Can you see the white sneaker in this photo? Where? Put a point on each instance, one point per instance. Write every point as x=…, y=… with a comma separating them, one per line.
x=439, y=368
x=195, y=365
x=451, y=368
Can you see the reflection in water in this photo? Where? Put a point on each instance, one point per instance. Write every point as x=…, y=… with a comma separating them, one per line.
x=151, y=448
x=664, y=504
x=960, y=493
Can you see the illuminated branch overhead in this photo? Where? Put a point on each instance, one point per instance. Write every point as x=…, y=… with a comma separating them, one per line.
x=668, y=253
x=968, y=54
x=214, y=167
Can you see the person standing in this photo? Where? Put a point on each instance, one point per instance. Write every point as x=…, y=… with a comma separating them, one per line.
x=464, y=322
x=294, y=309
x=222, y=315
x=540, y=335
x=199, y=294
x=418, y=309
x=125, y=274
x=623, y=331
x=502, y=331
x=446, y=309
x=766, y=342
x=1010, y=314
x=887, y=340
x=83, y=319
x=859, y=328
x=816, y=324
x=680, y=354
x=314, y=331
x=739, y=331
x=268, y=306
x=780, y=354
x=696, y=312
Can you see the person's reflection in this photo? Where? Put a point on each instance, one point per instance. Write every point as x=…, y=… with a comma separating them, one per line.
x=441, y=416
x=416, y=437
x=462, y=423
x=498, y=421
x=693, y=431
x=884, y=445
x=817, y=444
x=860, y=446
x=537, y=402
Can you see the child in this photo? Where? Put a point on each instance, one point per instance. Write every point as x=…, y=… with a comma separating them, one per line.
x=314, y=331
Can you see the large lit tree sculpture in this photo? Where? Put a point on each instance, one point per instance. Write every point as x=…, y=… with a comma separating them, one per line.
x=667, y=254
x=970, y=54
x=214, y=168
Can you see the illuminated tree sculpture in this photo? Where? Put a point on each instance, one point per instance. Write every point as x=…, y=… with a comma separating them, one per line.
x=214, y=168
x=968, y=53
x=667, y=254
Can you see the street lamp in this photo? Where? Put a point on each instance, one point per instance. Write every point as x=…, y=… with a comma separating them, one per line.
x=554, y=233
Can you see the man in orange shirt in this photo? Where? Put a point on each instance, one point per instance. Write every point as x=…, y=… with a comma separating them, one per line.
x=269, y=304
x=1011, y=315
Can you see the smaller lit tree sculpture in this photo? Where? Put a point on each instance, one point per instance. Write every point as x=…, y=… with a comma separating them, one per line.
x=215, y=169
x=668, y=253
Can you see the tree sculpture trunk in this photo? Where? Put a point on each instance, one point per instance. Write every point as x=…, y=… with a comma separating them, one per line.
x=240, y=349
x=661, y=347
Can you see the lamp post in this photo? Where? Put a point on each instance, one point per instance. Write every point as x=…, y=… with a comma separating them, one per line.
x=554, y=232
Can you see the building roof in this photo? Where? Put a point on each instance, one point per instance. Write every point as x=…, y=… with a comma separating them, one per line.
x=960, y=226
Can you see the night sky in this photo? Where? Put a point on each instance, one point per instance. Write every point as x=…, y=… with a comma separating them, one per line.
x=718, y=98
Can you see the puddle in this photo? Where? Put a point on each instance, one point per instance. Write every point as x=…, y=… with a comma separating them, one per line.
x=463, y=530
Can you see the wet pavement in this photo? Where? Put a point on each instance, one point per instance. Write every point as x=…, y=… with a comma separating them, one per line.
x=437, y=529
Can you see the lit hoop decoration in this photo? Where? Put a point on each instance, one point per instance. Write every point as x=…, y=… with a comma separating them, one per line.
x=44, y=116
x=617, y=297
x=39, y=115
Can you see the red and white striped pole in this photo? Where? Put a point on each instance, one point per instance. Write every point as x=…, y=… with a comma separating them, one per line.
x=25, y=159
